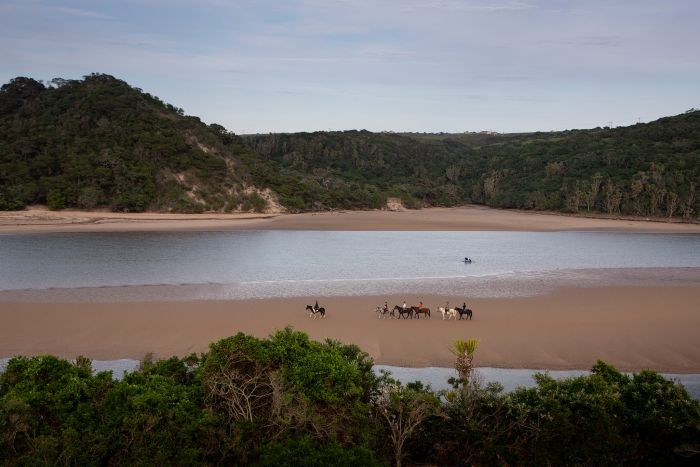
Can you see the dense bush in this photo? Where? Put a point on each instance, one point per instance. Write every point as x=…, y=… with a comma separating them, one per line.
x=287, y=400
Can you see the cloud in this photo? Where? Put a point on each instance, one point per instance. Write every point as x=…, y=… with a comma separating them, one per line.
x=593, y=41
x=482, y=7
x=81, y=13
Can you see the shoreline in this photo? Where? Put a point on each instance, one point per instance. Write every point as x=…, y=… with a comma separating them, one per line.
x=629, y=327
x=465, y=218
x=525, y=284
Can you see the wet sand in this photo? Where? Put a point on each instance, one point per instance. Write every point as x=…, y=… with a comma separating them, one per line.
x=631, y=327
x=462, y=218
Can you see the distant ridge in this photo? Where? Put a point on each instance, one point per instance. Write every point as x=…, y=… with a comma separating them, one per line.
x=100, y=143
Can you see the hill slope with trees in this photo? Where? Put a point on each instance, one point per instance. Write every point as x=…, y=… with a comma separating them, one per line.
x=644, y=170
x=100, y=143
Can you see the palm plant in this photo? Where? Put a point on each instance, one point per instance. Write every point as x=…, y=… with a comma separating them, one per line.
x=464, y=351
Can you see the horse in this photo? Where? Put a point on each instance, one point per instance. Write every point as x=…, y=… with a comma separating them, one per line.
x=417, y=311
x=465, y=311
x=448, y=313
x=312, y=311
x=400, y=310
x=385, y=312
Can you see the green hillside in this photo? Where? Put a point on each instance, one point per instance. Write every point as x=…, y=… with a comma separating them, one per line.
x=644, y=170
x=100, y=143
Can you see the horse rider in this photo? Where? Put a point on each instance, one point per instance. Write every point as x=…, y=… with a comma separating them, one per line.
x=464, y=306
x=316, y=306
x=420, y=305
x=386, y=307
x=404, y=306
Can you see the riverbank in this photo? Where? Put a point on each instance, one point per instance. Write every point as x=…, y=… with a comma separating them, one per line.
x=474, y=218
x=630, y=327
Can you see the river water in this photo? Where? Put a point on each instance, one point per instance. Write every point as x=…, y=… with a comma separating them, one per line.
x=261, y=264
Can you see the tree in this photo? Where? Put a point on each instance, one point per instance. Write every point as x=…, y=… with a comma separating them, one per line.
x=403, y=411
x=593, y=190
x=613, y=197
x=671, y=204
x=464, y=351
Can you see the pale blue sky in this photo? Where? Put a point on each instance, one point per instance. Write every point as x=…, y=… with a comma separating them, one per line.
x=402, y=65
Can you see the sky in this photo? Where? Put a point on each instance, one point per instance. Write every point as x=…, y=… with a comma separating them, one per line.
x=382, y=65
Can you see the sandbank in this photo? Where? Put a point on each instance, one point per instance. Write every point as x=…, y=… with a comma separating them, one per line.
x=630, y=327
x=465, y=218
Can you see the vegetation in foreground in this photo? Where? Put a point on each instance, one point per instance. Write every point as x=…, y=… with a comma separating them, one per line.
x=287, y=400
x=100, y=143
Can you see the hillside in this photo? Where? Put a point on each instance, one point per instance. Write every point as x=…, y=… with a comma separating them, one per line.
x=644, y=170
x=100, y=143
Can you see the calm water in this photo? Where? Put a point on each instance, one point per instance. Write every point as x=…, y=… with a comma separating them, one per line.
x=287, y=263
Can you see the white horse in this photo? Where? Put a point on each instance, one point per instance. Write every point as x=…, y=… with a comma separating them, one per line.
x=447, y=313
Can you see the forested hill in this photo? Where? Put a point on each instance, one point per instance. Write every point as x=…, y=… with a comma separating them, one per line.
x=98, y=142
x=648, y=169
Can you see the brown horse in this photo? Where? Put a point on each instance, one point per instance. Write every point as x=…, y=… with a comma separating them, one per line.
x=417, y=311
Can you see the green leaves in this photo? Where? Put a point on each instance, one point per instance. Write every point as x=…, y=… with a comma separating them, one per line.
x=288, y=400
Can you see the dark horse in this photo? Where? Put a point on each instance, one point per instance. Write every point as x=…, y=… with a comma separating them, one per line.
x=417, y=311
x=408, y=312
x=464, y=311
x=312, y=311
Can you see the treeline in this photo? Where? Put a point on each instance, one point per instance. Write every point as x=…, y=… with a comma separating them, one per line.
x=291, y=401
x=644, y=170
x=100, y=143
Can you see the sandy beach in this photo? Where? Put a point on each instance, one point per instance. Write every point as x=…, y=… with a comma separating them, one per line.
x=450, y=219
x=630, y=327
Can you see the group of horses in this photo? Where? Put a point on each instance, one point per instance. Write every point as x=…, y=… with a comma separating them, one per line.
x=400, y=312
x=411, y=312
